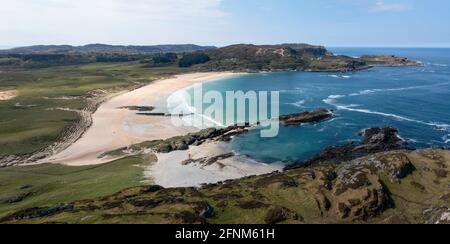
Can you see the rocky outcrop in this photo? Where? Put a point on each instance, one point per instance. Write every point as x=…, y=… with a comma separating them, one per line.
x=276, y=215
x=16, y=198
x=359, y=193
x=374, y=140
x=386, y=60
x=355, y=191
x=38, y=212
x=196, y=139
x=437, y=215
x=316, y=116
x=208, y=160
x=139, y=108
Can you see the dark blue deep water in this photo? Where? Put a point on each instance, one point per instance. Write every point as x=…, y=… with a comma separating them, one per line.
x=416, y=100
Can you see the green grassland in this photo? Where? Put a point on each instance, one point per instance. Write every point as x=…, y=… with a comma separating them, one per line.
x=29, y=123
x=41, y=185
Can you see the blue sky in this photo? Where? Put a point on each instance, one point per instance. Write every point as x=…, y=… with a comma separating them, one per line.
x=221, y=22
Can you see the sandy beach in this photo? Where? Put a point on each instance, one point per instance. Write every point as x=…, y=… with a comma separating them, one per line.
x=115, y=127
x=169, y=171
x=7, y=95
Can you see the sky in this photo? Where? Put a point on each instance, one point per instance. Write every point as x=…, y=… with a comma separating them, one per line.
x=333, y=23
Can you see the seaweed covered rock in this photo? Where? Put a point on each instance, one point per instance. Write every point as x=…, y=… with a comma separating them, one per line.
x=315, y=116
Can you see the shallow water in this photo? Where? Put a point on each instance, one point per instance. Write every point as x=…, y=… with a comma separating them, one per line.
x=416, y=100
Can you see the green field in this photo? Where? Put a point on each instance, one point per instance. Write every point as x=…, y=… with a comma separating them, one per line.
x=42, y=185
x=29, y=123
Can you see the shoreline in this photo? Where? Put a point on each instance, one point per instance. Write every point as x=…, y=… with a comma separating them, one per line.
x=171, y=169
x=114, y=127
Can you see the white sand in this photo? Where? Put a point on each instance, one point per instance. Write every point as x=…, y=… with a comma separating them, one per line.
x=115, y=128
x=169, y=171
x=7, y=95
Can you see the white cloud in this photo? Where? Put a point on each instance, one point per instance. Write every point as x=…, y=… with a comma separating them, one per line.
x=381, y=6
x=24, y=22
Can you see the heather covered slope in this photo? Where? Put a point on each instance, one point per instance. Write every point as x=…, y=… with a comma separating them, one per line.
x=365, y=190
x=385, y=184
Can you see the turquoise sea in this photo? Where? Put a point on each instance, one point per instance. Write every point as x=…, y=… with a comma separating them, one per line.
x=416, y=100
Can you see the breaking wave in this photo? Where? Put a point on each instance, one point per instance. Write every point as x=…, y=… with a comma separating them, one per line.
x=331, y=100
x=370, y=91
x=340, y=76
x=299, y=104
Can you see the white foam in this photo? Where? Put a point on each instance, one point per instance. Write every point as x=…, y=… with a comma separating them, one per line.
x=412, y=140
x=370, y=91
x=336, y=96
x=180, y=99
x=299, y=104
x=340, y=76
x=351, y=107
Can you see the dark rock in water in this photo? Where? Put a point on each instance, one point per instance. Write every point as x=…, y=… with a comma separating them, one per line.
x=374, y=140
x=139, y=108
x=279, y=214
x=316, y=116
x=380, y=136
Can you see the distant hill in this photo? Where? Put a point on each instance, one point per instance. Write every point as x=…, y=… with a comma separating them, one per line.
x=240, y=57
x=248, y=57
x=103, y=48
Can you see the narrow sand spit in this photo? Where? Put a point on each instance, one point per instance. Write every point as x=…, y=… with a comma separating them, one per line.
x=114, y=128
x=7, y=95
x=169, y=171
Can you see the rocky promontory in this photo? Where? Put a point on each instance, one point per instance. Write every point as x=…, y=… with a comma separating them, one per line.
x=387, y=60
x=374, y=140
